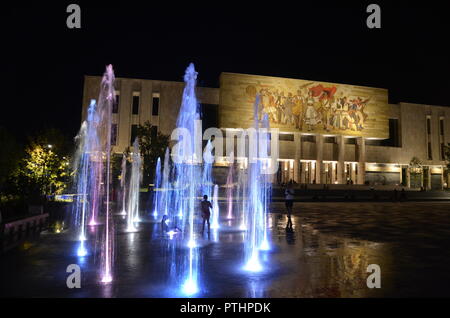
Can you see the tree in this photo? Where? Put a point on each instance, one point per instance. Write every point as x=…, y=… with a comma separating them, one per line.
x=415, y=171
x=447, y=155
x=45, y=168
x=152, y=145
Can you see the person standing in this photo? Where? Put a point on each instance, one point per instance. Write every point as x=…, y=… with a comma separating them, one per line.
x=289, y=202
x=206, y=213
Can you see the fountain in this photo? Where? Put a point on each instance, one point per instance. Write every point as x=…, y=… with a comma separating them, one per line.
x=133, y=189
x=258, y=193
x=178, y=187
x=229, y=186
x=123, y=185
x=105, y=104
x=165, y=195
x=86, y=175
x=207, y=182
x=215, y=211
x=93, y=162
x=157, y=192
x=187, y=178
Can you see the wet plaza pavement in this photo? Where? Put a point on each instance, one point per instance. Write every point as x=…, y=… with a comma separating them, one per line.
x=326, y=256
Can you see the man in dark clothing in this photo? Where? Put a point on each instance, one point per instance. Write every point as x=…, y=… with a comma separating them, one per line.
x=206, y=213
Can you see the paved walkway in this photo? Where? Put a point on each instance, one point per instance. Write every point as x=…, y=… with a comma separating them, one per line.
x=326, y=256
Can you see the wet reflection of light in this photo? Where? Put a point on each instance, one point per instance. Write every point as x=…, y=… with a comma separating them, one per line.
x=255, y=289
x=265, y=245
x=215, y=235
x=190, y=287
x=81, y=252
x=253, y=265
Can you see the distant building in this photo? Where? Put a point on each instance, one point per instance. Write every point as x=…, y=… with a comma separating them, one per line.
x=329, y=133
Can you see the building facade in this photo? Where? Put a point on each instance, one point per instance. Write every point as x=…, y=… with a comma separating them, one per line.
x=329, y=133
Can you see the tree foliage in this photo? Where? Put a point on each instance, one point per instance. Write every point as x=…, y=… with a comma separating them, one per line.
x=447, y=155
x=44, y=170
x=152, y=145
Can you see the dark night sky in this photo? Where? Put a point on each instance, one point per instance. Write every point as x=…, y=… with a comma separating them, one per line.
x=46, y=61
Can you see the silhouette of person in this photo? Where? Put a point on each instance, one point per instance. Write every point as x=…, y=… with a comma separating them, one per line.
x=206, y=213
x=289, y=202
x=164, y=226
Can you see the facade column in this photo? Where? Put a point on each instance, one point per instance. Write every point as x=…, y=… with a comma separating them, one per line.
x=341, y=158
x=361, y=160
x=353, y=173
x=428, y=185
x=319, y=158
x=408, y=177
x=297, y=156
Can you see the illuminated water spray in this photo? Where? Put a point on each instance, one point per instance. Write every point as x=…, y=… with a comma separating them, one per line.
x=215, y=212
x=105, y=104
x=188, y=176
x=229, y=186
x=165, y=194
x=258, y=193
x=242, y=197
x=207, y=182
x=157, y=192
x=123, y=185
x=86, y=175
x=133, y=188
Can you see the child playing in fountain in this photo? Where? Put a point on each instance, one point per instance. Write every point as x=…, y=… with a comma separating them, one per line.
x=206, y=213
x=165, y=227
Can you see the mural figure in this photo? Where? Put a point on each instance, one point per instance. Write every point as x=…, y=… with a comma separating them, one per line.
x=312, y=106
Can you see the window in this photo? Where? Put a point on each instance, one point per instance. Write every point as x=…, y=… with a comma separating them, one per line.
x=441, y=126
x=155, y=104
x=442, y=151
x=113, y=134
x=309, y=138
x=350, y=141
x=115, y=109
x=135, y=104
x=133, y=133
x=430, y=155
x=286, y=137
x=429, y=125
x=329, y=140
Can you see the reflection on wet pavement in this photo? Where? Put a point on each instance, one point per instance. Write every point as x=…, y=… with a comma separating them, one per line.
x=325, y=254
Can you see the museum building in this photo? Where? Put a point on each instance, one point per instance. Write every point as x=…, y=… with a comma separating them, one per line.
x=328, y=133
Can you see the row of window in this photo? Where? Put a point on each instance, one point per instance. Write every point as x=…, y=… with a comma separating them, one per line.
x=441, y=139
x=135, y=104
x=441, y=126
